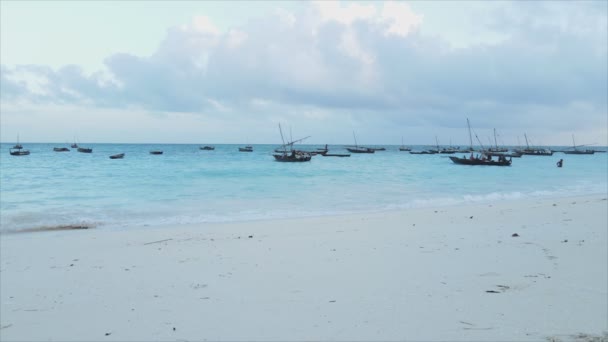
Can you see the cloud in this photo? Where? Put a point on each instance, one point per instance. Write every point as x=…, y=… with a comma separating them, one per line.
x=353, y=58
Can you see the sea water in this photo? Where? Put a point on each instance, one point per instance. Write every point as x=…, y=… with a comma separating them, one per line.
x=188, y=185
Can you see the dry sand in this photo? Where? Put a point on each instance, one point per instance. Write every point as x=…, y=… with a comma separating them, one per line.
x=449, y=274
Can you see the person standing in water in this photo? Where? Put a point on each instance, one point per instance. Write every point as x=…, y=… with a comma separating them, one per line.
x=560, y=163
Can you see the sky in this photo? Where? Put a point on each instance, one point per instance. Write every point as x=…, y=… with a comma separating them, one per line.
x=231, y=71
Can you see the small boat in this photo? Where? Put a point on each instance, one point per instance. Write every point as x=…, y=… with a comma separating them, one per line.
x=61, y=149
x=359, y=149
x=247, y=148
x=294, y=156
x=117, y=156
x=505, y=154
x=207, y=148
x=74, y=145
x=577, y=151
x=291, y=155
x=18, y=150
x=481, y=161
x=85, y=150
x=378, y=148
x=424, y=152
x=335, y=154
x=156, y=152
x=534, y=151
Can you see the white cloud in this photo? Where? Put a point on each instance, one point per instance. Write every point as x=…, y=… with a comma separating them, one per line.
x=334, y=61
x=400, y=17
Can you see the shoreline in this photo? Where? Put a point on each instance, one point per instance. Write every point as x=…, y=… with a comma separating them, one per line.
x=375, y=211
x=441, y=273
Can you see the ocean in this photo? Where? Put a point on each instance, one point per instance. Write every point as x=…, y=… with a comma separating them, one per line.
x=187, y=185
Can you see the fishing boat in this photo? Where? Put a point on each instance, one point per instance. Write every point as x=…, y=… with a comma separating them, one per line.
x=247, y=148
x=481, y=161
x=404, y=148
x=534, y=151
x=85, y=150
x=496, y=148
x=291, y=155
x=484, y=159
x=61, y=149
x=359, y=149
x=74, y=145
x=342, y=155
x=117, y=156
x=156, y=152
x=207, y=148
x=574, y=149
x=424, y=152
x=18, y=150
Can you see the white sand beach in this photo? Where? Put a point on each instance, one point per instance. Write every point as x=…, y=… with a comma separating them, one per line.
x=441, y=274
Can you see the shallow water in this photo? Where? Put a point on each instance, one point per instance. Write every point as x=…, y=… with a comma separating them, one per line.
x=188, y=185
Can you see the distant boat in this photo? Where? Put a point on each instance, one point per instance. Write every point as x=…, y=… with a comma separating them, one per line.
x=335, y=154
x=74, y=145
x=85, y=150
x=247, y=148
x=577, y=151
x=18, y=150
x=534, y=151
x=424, y=152
x=156, y=152
x=117, y=156
x=378, y=148
x=359, y=149
x=403, y=148
x=291, y=155
x=496, y=148
x=61, y=149
x=207, y=148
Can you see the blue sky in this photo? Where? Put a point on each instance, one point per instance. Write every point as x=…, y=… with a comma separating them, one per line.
x=225, y=72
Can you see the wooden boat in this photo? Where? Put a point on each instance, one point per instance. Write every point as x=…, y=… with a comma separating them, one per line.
x=482, y=161
x=577, y=151
x=403, y=148
x=61, y=149
x=359, y=149
x=207, y=148
x=85, y=150
x=335, y=155
x=505, y=154
x=294, y=156
x=117, y=156
x=18, y=150
x=378, y=148
x=156, y=152
x=291, y=155
x=534, y=151
x=247, y=148
x=424, y=152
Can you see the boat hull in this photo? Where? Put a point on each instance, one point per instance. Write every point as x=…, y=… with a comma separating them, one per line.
x=465, y=161
x=289, y=158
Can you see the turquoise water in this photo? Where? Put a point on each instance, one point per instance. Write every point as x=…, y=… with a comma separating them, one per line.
x=188, y=185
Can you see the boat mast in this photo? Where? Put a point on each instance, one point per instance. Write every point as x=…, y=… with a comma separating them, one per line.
x=527, y=146
x=437, y=142
x=354, y=136
x=495, y=142
x=283, y=139
x=470, y=137
x=573, y=143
